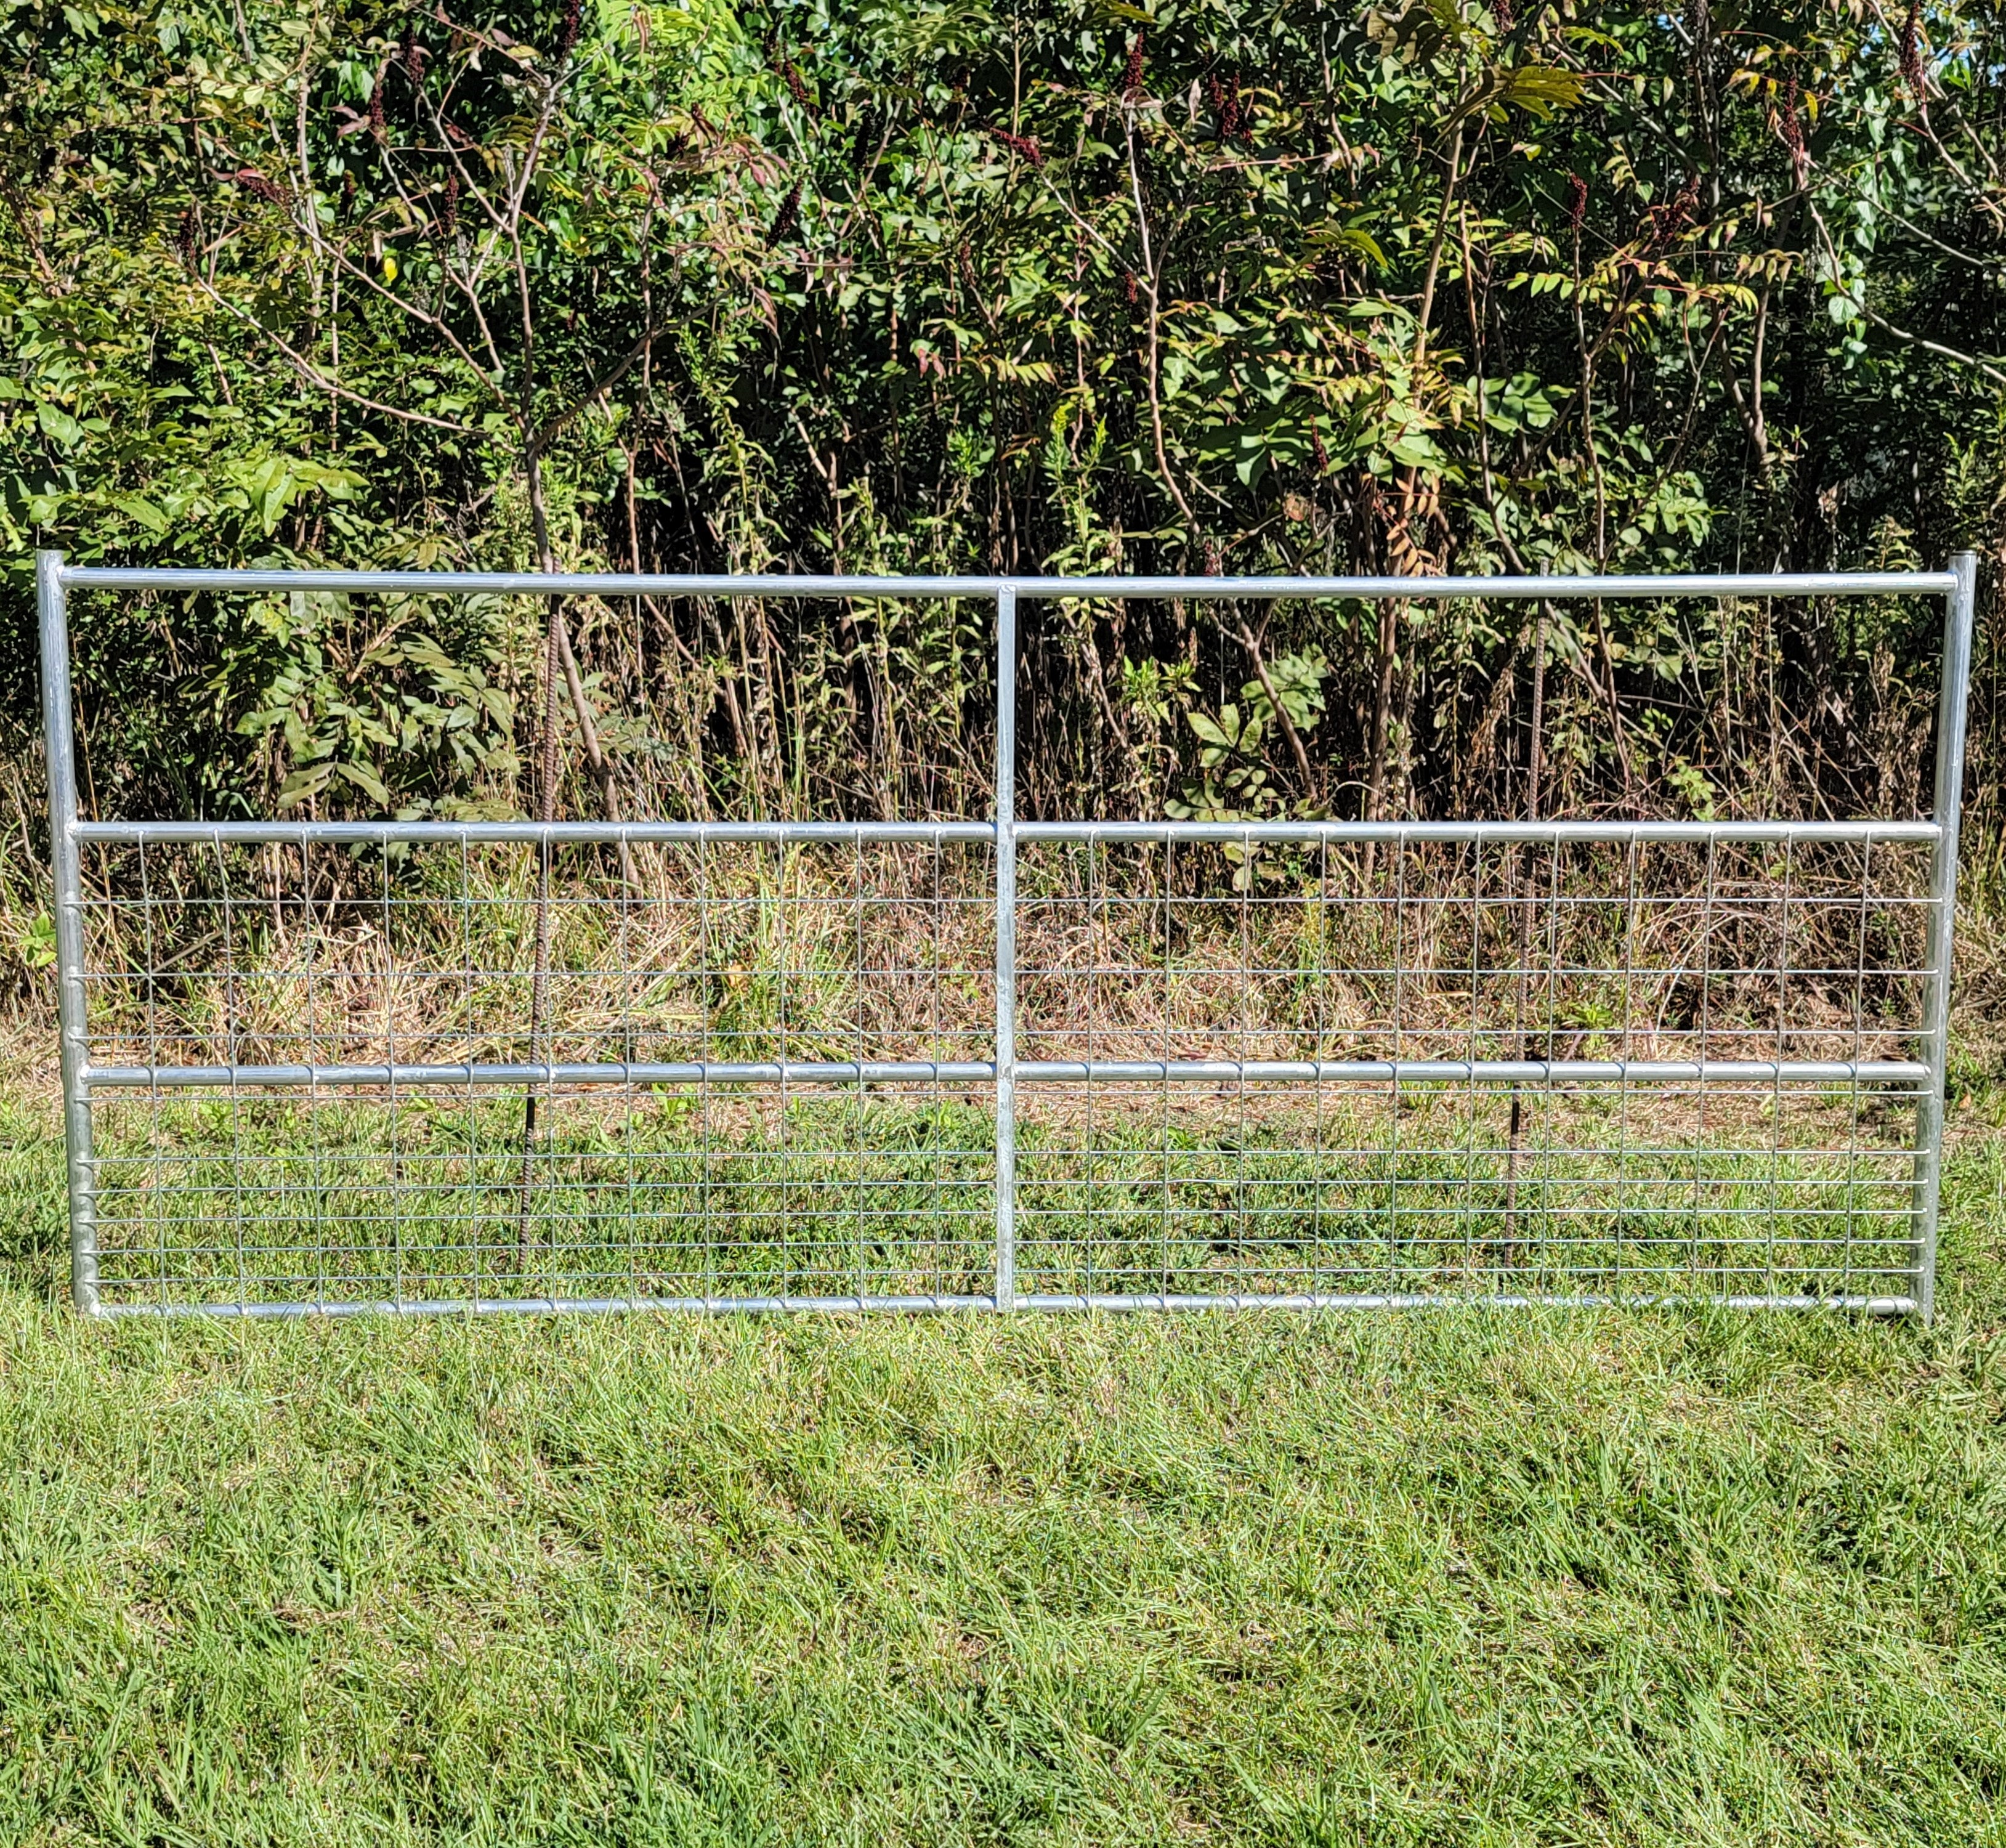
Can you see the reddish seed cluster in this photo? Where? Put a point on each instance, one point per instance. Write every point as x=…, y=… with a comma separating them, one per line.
x=1226, y=110
x=1502, y=11
x=259, y=187
x=1317, y=450
x=184, y=239
x=567, y=35
x=449, y=222
x=1577, y=201
x=1788, y=124
x=376, y=110
x=1025, y=146
x=1129, y=289
x=1664, y=223
x=407, y=50
x=862, y=144
x=1132, y=79
x=1911, y=48
x=783, y=67
x=789, y=220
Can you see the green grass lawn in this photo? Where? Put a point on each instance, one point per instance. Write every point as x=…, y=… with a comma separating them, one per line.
x=1441, y=1578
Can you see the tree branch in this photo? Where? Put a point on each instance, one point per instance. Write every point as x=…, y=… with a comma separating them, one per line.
x=1288, y=731
x=1990, y=370
x=547, y=432
x=318, y=379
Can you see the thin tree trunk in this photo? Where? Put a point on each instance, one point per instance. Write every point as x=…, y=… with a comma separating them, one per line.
x=1248, y=641
x=1535, y=766
x=540, y=981
x=559, y=661
x=1392, y=612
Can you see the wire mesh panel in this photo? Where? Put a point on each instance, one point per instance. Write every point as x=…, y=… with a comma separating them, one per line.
x=329, y=1073
x=326, y=1067
x=1594, y=1062
x=728, y=1195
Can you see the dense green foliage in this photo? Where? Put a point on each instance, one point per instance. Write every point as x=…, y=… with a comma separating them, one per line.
x=1452, y=1579
x=1245, y=285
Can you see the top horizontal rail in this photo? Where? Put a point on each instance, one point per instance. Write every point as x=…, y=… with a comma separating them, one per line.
x=466, y=583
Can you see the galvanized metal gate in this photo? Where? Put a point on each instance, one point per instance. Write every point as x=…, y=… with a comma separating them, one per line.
x=445, y=1066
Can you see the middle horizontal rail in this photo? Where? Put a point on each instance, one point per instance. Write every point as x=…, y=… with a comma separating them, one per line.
x=349, y=833
x=1889, y=1072
x=1486, y=832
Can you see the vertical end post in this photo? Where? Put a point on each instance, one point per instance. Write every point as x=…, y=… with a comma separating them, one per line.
x=59, y=741
x=1006, y=947
x=1960, y=609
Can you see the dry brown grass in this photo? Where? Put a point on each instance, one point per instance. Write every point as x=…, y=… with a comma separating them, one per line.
x=887, y=953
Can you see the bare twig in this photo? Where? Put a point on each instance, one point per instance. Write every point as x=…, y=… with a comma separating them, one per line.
x=1148, y=281
x=318, y=379
x=1253, y=647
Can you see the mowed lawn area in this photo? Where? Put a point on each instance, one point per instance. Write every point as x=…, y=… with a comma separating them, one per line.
x=1433, y=1577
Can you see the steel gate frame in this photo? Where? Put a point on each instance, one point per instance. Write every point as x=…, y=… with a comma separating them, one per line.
x=1923, y=1077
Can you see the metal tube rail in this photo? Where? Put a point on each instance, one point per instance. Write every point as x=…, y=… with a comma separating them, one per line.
x=1488, y=833
x=704, y=833
x=575, y=833
x=530, y=583
x=1006, y=948
x=694, y=1071
x=1111, y=1304
x=1878, y=1072
x=1404, y=1071
x=1960, y=607
x=60, y=745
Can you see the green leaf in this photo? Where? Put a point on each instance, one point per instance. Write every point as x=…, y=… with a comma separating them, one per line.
x=139, y=508
x=1541, y=89
x=57, y=424
x=365, y=780
x=303, y=785
x=1414, y=449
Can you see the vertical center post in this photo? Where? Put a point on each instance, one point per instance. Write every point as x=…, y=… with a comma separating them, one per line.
x=1006, y=947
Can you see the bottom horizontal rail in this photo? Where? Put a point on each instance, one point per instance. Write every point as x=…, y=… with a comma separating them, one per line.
x=1866, y=1071
x=855, y=1305
x=146, y=1078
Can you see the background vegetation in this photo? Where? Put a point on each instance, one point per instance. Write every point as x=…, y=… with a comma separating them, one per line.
x=1239, y=287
